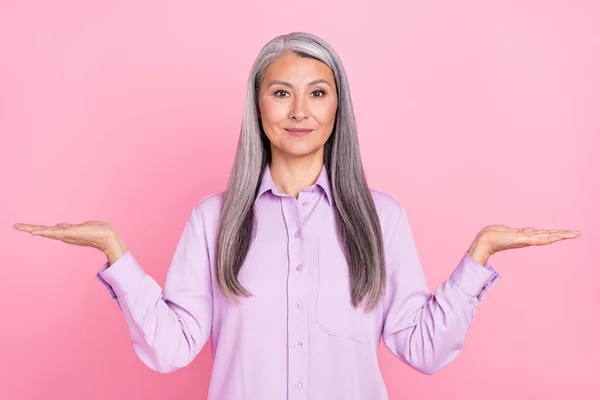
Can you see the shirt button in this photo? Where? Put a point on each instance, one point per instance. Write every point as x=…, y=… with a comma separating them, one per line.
x=298, y=304
x=305, y=203
x=298, y=385
x=298, y=344
x=297, y=234
x=299, y=267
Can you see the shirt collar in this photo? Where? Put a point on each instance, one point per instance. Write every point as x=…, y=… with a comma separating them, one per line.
x=322, y=182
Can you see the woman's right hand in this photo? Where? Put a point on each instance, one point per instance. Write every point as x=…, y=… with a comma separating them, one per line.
x=97, y=234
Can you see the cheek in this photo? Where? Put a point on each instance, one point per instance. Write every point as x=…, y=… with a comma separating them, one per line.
x=272, y=113
x=326, y=113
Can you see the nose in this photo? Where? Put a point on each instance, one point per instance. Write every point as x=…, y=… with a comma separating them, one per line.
x=297, y=110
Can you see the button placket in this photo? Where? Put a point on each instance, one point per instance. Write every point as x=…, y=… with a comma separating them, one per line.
x=297, y=290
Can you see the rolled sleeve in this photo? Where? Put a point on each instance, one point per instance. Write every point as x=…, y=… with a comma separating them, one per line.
x=473, y=278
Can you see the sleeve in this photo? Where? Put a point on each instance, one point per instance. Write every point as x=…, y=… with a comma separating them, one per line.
x=425, y=330
x=168, y=327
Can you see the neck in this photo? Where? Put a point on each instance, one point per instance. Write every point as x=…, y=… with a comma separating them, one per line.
x=291, y=175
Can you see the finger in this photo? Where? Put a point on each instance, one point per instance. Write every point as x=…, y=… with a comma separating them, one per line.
x=555, y=231
x=534, y=230
x=570, y=235
x=28, y=227
x=566, y=233
x=32, y=227
x=531, y=237
x=543, y=238
x=540, y=239
x=51, y=233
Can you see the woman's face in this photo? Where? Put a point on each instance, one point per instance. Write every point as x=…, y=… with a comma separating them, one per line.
x=297, y=92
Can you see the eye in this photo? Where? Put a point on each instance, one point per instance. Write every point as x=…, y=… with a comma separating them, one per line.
x=279, y=91
x=322, y=92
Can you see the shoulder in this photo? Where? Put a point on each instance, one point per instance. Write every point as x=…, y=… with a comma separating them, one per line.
x=388, y=207
x=208, y=208
x=389, y=210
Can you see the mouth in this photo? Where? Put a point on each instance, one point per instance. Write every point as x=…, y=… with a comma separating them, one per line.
x=298, y=131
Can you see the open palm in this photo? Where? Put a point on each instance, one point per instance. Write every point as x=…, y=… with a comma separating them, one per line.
x=90, y=233
x=502, y=237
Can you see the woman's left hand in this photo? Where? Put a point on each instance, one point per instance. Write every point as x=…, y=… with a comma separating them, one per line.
x=495, y=238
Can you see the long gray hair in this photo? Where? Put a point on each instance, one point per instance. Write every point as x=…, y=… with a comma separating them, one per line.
x=357, y=222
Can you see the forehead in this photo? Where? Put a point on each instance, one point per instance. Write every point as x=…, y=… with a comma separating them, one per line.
x=292, y=67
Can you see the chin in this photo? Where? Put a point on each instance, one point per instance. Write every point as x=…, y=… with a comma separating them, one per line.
x=301, y=151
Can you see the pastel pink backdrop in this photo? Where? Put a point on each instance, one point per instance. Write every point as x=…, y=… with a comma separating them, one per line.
x=469, y=113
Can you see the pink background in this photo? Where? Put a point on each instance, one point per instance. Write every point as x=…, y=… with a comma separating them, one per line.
x=469, y=112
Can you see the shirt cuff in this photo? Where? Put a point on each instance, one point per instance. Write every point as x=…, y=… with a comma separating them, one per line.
x=122, y=277
x=473, y=278
x=105, y=284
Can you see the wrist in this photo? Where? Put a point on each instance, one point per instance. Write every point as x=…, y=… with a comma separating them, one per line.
x=115, y=248
x=480, y=251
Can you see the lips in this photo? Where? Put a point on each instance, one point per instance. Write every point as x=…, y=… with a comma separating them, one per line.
x=298, y=131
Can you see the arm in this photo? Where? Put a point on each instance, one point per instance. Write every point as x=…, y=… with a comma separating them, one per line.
x=168, y=327
x=426, y=330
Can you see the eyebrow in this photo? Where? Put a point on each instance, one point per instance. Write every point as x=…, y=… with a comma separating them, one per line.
x=284, y=83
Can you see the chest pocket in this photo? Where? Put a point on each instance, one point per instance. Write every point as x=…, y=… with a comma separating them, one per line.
x=335, y=313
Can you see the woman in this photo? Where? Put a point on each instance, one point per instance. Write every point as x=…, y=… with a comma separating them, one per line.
x=297, y=270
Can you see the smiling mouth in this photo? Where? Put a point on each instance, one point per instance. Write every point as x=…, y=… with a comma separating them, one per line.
x=298, y=131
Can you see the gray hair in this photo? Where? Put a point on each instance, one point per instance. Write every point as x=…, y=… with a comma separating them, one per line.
x=357, y=223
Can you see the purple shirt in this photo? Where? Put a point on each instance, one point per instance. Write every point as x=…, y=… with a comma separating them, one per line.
x=298, y=336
